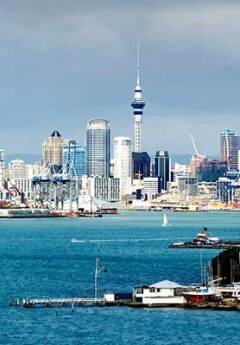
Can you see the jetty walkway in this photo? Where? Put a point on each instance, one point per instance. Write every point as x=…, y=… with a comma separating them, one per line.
x=56, y=302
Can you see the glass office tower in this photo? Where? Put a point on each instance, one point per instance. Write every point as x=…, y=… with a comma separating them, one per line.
x=162, y=167
x=74, y=157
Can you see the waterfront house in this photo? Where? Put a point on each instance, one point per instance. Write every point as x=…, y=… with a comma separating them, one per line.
x=164, y=293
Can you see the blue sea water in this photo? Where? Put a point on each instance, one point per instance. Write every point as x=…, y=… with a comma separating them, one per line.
x=37, y=259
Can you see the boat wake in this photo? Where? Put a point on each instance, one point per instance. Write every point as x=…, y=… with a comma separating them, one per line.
x=74, y=240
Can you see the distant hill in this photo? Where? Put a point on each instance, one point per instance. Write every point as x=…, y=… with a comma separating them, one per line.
x=181, y=158
x=26, y=157
x=32, y=158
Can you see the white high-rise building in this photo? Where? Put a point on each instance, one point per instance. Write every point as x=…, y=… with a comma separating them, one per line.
x=98, y=147
x=122, y=153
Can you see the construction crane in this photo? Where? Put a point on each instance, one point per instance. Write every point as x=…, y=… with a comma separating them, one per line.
x=228, y=152
x=196, y=160
x=194, y=145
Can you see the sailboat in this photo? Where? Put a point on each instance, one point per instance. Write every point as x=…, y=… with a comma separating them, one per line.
x=165, y=220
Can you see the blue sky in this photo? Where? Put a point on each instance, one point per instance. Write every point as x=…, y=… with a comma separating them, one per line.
x=65, y=62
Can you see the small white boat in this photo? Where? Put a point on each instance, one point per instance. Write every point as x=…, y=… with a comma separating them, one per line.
x=165, y=220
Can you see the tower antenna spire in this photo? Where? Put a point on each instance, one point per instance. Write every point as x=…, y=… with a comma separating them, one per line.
x=138, y=105
x=138, y=64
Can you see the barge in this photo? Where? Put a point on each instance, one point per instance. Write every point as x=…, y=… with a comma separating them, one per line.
x=28, y=213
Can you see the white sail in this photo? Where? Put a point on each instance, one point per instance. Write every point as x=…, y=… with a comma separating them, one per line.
x=165, y=221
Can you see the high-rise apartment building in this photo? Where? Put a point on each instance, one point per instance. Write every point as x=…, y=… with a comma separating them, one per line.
x=74, y=158
x=229, y=146
x=98, y=148
x=122, y=154
x=138, y=104
x=52, y=150
x=162, y=168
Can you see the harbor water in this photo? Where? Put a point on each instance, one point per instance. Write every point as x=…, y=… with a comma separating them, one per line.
x=38, y=259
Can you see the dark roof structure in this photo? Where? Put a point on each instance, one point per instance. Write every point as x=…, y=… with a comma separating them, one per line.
x=55, y=134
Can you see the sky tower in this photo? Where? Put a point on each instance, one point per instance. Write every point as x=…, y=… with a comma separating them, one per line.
x=138, y=105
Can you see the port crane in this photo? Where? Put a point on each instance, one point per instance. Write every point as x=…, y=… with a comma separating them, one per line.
x=56, y=187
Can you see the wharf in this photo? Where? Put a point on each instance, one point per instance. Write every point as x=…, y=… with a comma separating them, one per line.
x=90, y=302
x=57, y=302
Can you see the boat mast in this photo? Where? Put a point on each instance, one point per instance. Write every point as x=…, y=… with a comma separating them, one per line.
x=96, y=279
x=201, y=267
x=98, y=270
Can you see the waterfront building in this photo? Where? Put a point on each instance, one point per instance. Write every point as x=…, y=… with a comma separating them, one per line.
x=151, y=187
x=207, y=189
x=229, y=147
x=138, y=104
x=52, y=150
x=104, y=188
x=187, y=185
x=98, y=148
x=20, y=178
x=122, y=153
x=141, y=163
x=162, y=168
x=74, y=158
x=211, y=170
x=164, y=293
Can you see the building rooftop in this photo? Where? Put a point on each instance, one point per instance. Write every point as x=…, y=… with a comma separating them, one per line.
x=56, y=134
x=166, y=284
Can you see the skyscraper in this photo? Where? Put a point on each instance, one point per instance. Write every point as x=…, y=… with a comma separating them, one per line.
x=52, y=150
x=122, y=154
x=229, y=146
x=74, y=158
x=98, y=148
x=141, y=163
x=162, y=167
x=138, y=105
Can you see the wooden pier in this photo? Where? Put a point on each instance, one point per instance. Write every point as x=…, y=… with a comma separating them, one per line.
x=57, y=302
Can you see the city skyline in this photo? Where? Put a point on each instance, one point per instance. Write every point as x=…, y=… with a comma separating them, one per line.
x=54, y=64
